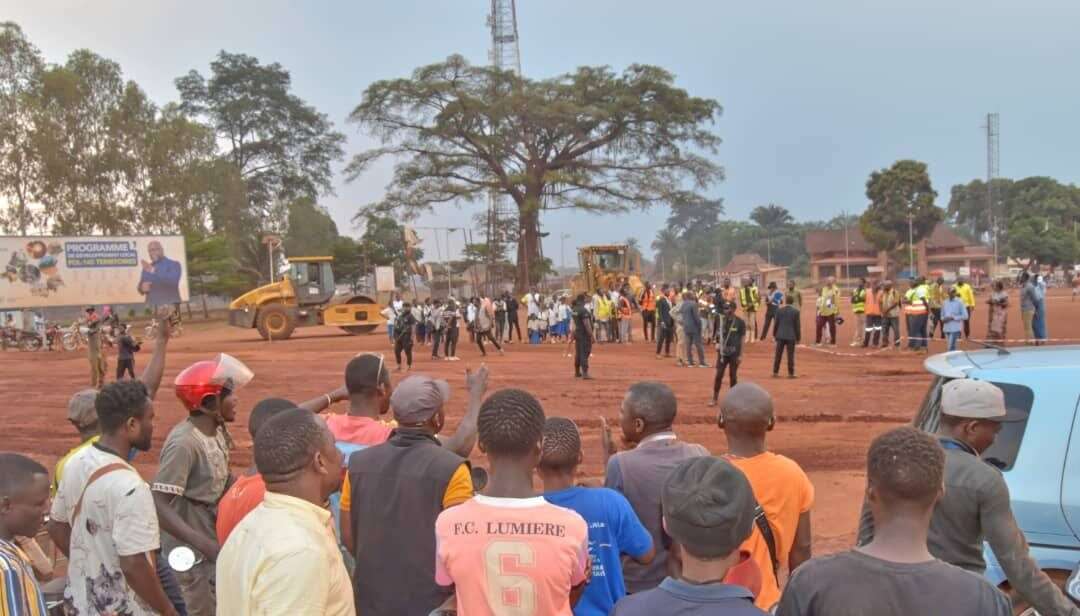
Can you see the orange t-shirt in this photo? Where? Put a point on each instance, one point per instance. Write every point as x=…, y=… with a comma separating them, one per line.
x=511, y=556
x=785, y=493
x=243, y=496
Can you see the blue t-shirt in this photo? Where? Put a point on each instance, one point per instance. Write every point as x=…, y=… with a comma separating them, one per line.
x=614, y=529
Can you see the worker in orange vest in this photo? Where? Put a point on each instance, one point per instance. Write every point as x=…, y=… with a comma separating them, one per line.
x=648, y=312
x=625, y=313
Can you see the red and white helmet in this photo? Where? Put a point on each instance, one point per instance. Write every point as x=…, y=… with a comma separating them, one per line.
x=221, y=375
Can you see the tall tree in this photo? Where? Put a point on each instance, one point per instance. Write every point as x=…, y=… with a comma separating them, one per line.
x=899, y=195
x=591, y=140
x=969, y=207
x=21, y=66
x=311, y=231
x=280, y=146
x=772, y=219
x=212, y=269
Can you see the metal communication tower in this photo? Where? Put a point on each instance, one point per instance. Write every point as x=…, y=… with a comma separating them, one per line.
x=993, y=162
x=505, y=54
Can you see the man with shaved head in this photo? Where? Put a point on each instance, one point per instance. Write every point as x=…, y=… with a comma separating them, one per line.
x=646, y=417
x=782, y=489
x=160, y=279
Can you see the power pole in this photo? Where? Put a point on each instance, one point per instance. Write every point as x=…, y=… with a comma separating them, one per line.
x=993, y=162
x=505, y=54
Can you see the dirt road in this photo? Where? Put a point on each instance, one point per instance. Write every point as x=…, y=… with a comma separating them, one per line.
x=827, y=416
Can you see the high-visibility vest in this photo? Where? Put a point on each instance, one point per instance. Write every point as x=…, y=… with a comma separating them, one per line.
x=858, y=300
x=624, y=308
x=915, y=304
x=648, y=301
x=873, y=304
x=750, y=298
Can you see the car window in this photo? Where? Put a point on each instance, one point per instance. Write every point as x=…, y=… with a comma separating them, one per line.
x=1007, y=444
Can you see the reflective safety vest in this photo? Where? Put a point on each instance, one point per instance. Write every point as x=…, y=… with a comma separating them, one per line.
x=858, y=300
x=915, y=304
x=873, y=304
x=648, y=300
x=750, y=298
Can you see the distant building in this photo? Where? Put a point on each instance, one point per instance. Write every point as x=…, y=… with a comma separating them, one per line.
x=944, y=253
x=754, y=266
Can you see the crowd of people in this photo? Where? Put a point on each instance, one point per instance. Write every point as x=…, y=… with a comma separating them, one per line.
x=375, y=511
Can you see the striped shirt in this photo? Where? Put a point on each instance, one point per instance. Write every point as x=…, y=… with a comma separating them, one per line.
x=19, y=592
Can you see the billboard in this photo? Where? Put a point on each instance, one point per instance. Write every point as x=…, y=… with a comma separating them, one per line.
x=72, y=271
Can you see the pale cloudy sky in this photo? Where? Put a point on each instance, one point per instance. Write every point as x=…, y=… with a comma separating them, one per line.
x=815, y=94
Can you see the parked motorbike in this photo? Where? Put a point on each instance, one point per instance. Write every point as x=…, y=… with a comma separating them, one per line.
x=53, y=336
x=20, y=339
x=74, y=337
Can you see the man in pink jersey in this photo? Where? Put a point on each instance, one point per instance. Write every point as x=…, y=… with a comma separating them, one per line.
x=510, y=551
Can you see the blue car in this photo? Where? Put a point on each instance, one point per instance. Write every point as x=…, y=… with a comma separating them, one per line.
x=1039, y=456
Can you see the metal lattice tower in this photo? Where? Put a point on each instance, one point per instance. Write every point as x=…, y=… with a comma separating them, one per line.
x=505, y=54
x=993, y=163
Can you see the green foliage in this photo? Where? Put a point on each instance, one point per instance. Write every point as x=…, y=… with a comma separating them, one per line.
x=212, y=267
x=311, y=231
x=591, y=140
x=1038, y=240
x=21, y=66
x=348, y=262
x=383, y=243
x=897, y=194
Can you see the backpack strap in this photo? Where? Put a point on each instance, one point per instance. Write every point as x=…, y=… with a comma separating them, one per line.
x=98, y=474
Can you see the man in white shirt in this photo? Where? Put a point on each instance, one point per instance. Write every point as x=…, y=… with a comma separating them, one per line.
x=283, y=557
x=103, y=516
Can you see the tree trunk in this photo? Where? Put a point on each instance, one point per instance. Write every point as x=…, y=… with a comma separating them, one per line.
x=528, y=257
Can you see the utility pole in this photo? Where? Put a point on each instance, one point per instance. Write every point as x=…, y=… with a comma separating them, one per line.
x=847, y=249
x=993, y=133
x=911, y=242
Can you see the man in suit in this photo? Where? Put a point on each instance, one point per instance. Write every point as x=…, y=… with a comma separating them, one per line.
x=787, y=333
x=160, y=278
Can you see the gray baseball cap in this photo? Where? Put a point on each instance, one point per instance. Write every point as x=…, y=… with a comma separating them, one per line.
x=81, y=411
x=418, y=398
x=708, y=506
x=972, y=399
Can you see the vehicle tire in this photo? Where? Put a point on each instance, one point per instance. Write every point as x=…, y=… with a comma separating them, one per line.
x=275, y=323
x=71, y=342
x=359, y=330
x=30, y=343
x=1020, y=606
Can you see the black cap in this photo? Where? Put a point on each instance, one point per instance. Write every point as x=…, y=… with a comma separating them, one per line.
x=708, y=506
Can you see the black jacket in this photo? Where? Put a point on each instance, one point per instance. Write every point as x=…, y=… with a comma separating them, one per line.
x=729, y=335
x=787, y=328
x=663, y=309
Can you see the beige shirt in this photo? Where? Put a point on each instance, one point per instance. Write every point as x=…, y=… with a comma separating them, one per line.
x=283, y=558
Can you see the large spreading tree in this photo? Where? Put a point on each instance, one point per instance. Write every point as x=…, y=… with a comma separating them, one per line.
x=592, y=140
x=901, y=205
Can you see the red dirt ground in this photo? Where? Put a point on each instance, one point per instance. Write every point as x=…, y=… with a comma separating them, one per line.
x=827, y=417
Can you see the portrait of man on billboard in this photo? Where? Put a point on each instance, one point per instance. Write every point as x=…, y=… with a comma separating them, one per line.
x=160, y=280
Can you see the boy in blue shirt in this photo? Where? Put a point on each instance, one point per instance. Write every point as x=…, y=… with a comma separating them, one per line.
x=953, y=316
x=614, y=528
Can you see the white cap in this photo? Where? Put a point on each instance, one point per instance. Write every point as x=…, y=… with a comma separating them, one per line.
x=972, y=399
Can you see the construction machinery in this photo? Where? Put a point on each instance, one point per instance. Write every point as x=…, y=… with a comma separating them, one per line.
x=606, y=267
x=304, y=297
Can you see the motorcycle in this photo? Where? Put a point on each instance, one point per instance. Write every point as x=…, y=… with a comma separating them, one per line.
x=53, y=336
x=20, y=339
x=74, y=337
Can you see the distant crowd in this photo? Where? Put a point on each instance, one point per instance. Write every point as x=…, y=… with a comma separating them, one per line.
x=374, y=510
